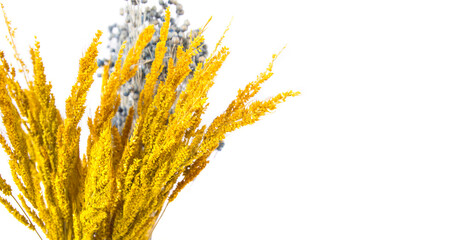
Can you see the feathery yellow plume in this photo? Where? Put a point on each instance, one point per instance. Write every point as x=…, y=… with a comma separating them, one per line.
x=127, y=176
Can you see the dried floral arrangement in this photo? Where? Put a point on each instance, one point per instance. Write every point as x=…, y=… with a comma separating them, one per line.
x=126, y=177
x=139, y=15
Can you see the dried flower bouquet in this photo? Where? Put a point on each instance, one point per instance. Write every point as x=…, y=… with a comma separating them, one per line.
x=122, y=183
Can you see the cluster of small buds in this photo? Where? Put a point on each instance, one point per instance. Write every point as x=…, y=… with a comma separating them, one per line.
x=137, y=16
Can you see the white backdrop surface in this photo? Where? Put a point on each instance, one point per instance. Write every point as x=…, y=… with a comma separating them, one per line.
x=368, y=151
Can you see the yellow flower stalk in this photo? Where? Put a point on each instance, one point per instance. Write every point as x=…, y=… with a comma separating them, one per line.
x=118, y=188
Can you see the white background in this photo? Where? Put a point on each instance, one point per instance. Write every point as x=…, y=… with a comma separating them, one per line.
x=368, y=151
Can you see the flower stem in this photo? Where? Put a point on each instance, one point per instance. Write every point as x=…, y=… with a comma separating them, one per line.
x=27, y=216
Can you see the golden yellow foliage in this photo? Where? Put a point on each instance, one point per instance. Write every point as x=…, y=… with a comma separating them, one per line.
x=126, y=177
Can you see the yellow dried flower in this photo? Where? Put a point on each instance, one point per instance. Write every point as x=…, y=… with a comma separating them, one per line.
x=127, y=177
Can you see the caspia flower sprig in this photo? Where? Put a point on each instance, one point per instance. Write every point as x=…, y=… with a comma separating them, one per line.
x=125, y=178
